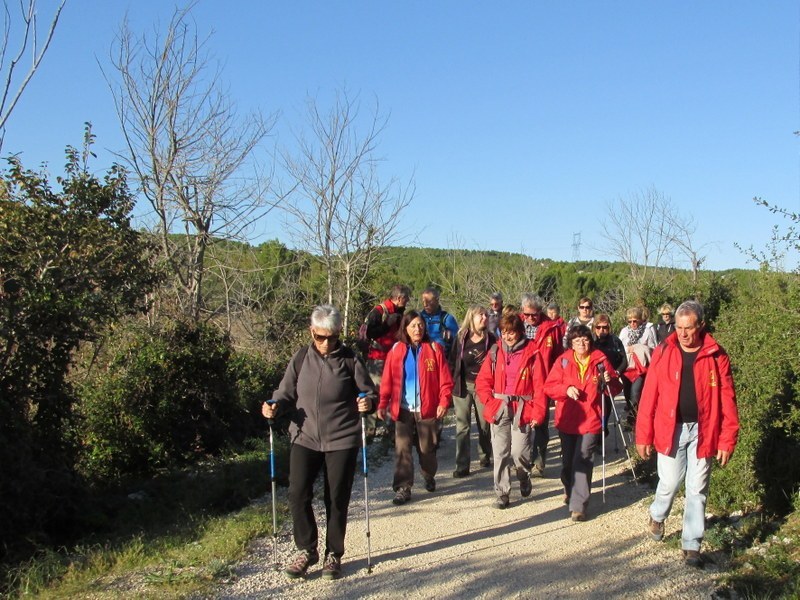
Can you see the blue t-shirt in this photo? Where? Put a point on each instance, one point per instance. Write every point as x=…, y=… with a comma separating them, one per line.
x=437, y=325
x=410, y=398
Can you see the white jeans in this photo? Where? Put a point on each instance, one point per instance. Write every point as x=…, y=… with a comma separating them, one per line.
x=684, y=467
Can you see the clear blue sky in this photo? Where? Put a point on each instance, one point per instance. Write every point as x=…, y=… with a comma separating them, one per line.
x=519, y=120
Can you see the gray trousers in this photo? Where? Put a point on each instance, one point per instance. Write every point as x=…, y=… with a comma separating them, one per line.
x=511, y=447
x=464, y=408
x=577, y=462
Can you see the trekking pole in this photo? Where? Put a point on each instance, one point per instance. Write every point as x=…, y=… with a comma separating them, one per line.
x=366, y=489
x=601, y=371
x=270, y=422
x=624, y=441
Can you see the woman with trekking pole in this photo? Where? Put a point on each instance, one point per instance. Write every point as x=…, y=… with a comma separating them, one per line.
x=576, y=382
x=324, y=391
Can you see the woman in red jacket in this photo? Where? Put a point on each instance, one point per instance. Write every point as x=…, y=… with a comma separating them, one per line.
x=575, y=382
x=509, y=385
x=417, y=390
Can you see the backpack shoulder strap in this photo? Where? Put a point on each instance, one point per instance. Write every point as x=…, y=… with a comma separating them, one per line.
x=299, y=359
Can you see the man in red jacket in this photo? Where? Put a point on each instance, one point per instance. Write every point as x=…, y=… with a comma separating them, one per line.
x=545, y=335
x=383, y=321
x=688, y=414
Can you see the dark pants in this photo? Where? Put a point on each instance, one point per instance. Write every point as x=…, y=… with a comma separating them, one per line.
x=338, y=471
x=411, y=431
x=577, y=462
x=540, y=437
x=632, y=391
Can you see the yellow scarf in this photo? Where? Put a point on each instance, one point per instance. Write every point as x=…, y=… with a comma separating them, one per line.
x=583, y=366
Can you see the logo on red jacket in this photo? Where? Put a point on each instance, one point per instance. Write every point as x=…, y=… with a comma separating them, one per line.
x=430, y=364
x=712, y=382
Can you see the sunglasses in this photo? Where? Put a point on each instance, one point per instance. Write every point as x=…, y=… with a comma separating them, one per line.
x=325, y=338
x=530, y=315
x=666, y=314
x=602, y=327
x=586, y=307
x=633, y=320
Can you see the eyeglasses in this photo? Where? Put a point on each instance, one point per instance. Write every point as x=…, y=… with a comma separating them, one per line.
x=586, y=307
x=633, y=320
x=580, y=341
x=325, y=338
x=530, y=315
x=602, y=327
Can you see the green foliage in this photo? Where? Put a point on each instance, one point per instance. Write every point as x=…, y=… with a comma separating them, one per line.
x=69, y=264
x=165, y=395
x=761, y=331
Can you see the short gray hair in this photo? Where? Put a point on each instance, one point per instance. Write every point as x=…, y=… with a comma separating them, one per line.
x=532, y=300
x=691, y=307
x=496, y=296
x=326, y=316
x=400, y=291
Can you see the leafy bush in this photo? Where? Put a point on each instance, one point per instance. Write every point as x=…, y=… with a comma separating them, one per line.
x=761, y=331
x=162, y=396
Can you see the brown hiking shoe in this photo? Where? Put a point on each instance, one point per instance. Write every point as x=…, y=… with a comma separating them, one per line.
x=578, y=516
x=656, y=530
x=300, y=563
x=331, y=567
x=692, y=558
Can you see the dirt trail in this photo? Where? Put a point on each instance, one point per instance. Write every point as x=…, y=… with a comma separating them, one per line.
x=454, y=543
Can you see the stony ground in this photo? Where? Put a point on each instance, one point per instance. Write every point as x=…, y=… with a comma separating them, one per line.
x=453, y=543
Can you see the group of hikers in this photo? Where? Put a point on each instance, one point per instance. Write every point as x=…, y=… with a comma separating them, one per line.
x=507, y=366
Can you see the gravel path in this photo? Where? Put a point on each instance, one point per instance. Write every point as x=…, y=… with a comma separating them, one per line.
x=453, y=543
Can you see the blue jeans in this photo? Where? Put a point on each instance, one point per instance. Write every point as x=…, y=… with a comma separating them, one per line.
x=683, y=466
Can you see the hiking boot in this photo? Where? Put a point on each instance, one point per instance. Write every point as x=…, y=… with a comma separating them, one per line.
x=430, y=484
x=331, y=567
x=402, y=496
x=501, y=502
x=525, y=486
x=656, y=530
x=692, y=558
x=300, y=563
x=578, y=516
x=459, y=473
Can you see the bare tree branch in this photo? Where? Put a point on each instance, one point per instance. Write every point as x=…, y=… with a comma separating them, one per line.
x=28, y=41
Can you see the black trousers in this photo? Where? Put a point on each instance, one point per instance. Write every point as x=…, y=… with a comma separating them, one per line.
x=338, y=471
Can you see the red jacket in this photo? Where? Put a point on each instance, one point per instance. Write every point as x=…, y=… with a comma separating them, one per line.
x=435, y=381
x=584, y=414
x=548, y=341
x=717, y=415
x=492, y=378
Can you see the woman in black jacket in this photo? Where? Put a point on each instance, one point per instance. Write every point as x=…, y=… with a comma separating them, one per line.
x=469, y=351
x=320, y=392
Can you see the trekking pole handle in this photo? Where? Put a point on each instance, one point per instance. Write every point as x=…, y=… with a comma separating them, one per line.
x=270, y=420
x=363, y=412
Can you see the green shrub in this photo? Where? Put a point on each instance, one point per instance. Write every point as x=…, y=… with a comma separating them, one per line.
x=163, y=396
x=761, y=332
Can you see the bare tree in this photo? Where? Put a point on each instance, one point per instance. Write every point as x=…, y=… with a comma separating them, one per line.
x=340, y=211
x=640, y=231
x=187, y=147
x=20, y=50
x=683, y=237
